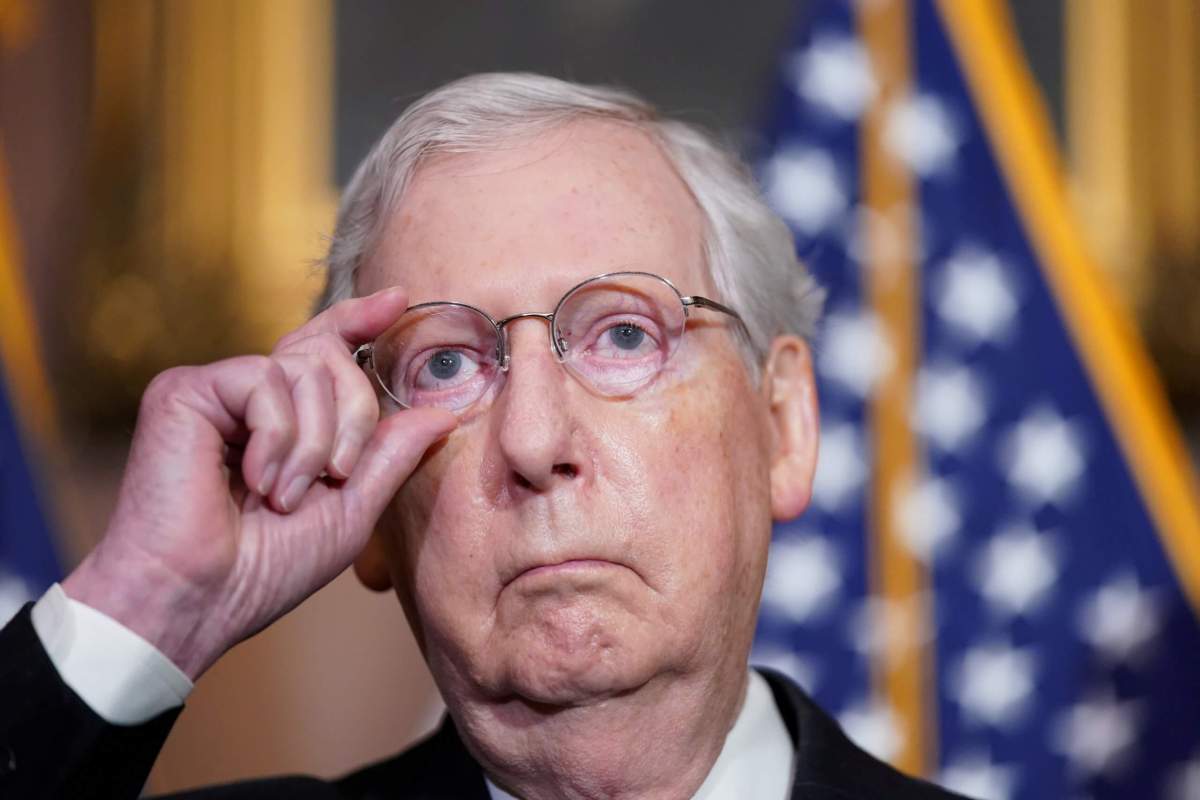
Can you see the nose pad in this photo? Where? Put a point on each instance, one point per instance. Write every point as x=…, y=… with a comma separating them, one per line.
x=559, y=346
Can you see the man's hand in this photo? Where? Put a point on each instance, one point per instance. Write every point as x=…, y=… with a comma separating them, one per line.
x=223, y=522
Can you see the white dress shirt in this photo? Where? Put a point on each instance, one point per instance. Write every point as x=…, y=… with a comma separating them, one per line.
x=127, y=681
x=122, y=677
x=756, y=760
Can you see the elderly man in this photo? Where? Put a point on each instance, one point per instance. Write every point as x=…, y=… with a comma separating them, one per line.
x=557, y=393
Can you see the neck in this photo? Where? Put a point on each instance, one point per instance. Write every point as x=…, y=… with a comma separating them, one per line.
x=658, y=741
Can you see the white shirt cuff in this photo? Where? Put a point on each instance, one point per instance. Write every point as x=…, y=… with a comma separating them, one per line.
x=121, y=676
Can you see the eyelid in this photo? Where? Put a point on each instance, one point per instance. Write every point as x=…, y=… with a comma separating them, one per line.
x=600, y=326
x=421, y=362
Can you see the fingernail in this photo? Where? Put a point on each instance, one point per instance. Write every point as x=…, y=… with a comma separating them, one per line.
x=295, y=490
x=391, y=290
x=268, y=479
x=449, y=423
x=342, y=454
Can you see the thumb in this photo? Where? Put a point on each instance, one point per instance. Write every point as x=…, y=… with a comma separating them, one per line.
x=389, y=458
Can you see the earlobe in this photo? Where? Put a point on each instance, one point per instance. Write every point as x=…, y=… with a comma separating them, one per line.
x=371, y=566
x=791, y=396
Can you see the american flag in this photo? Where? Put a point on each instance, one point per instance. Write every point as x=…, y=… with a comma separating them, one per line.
x=28, y=561
x=997, y=582
x=28, y=564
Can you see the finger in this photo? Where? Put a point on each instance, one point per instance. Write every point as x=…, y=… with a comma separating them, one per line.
x=357, y=415
x=253, y=392
x=389, y=458
x=316, y=420
x=354, y=397
x=356, y=320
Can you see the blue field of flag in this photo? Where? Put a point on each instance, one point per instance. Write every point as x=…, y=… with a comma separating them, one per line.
x=1059, y=652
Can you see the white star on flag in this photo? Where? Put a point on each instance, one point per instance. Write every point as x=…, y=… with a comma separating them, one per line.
x=834, y=74
x=929, y=517
x=993, y=684
x=891, y=627
x=950, y=407
x=973, y=774
x=802, y=670
x=922, y=133
x=1043, y=456
x=873, y=727
x=1120, y=619
x=803, y=577
x=854, y=351
x=1183, y=783
x=804, y=186
x=876, y=239
x=14, y=593
x=1097, y=735
x=841, y=468
x=1016, y=570
x=974, y=295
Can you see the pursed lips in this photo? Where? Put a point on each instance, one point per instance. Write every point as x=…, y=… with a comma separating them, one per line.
x=562, y=567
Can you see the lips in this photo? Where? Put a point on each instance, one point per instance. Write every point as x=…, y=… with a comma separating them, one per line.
x=561, y=567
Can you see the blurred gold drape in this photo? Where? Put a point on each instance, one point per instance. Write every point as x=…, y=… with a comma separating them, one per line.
x=1133, y=130
x=211, y=184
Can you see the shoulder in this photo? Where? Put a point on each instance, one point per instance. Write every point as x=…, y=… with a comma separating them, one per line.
x=437, y=768
x=828, y=764
x=291, y=787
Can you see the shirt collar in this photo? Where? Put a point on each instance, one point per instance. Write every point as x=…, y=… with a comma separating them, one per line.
x=756, y=760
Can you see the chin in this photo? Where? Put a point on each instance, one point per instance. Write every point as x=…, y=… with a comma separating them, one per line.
x=575, y=659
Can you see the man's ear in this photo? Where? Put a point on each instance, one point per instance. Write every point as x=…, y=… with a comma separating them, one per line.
x=790, y=392
x=371, y=566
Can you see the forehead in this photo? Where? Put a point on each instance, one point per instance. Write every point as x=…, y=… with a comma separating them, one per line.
x=513, y=228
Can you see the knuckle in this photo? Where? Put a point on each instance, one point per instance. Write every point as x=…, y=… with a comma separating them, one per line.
x=164, y=386
x=259, y=365
x=361, y=407
x=332, y=345
x=310, y=373
x=287, y=340
x=272, y=370
x=317, y=370
x=311, y=455
x=278, y=432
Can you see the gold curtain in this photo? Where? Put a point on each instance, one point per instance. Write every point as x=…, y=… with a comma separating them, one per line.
x=211, y=185
x=1133, y=130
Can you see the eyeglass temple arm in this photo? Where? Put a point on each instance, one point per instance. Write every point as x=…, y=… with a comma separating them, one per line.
x=704, y=302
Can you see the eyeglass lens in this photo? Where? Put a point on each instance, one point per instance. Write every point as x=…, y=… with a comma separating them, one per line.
x=614, y=333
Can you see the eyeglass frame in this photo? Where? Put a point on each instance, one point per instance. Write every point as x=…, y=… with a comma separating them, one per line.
x=364, y=354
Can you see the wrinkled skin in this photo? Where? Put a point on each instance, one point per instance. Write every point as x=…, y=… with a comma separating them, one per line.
x=583, y=572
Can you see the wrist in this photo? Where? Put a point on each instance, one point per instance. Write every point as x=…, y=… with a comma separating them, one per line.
x=153, y=603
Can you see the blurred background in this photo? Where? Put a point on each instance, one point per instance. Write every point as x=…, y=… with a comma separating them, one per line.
x=172, y=168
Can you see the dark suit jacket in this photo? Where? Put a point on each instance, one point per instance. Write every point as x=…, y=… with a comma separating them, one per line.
x=53, y=746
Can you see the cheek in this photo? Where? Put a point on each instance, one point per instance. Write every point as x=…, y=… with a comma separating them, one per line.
x=707, y=477
x=435, y=526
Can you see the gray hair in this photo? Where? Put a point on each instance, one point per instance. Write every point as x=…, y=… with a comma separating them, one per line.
x=749, y=249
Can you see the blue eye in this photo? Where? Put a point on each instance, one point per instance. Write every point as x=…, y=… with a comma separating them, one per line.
x=445, y=364
x=626, y=336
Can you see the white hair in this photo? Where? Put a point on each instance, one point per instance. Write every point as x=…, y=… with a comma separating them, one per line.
x=749, y=250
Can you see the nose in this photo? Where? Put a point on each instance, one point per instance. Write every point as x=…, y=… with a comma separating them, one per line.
x=534, y=418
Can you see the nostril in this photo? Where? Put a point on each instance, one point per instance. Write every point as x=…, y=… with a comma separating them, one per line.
x=543, y=481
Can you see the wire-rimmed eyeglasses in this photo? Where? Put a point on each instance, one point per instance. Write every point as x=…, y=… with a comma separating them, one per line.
x=615, y=332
